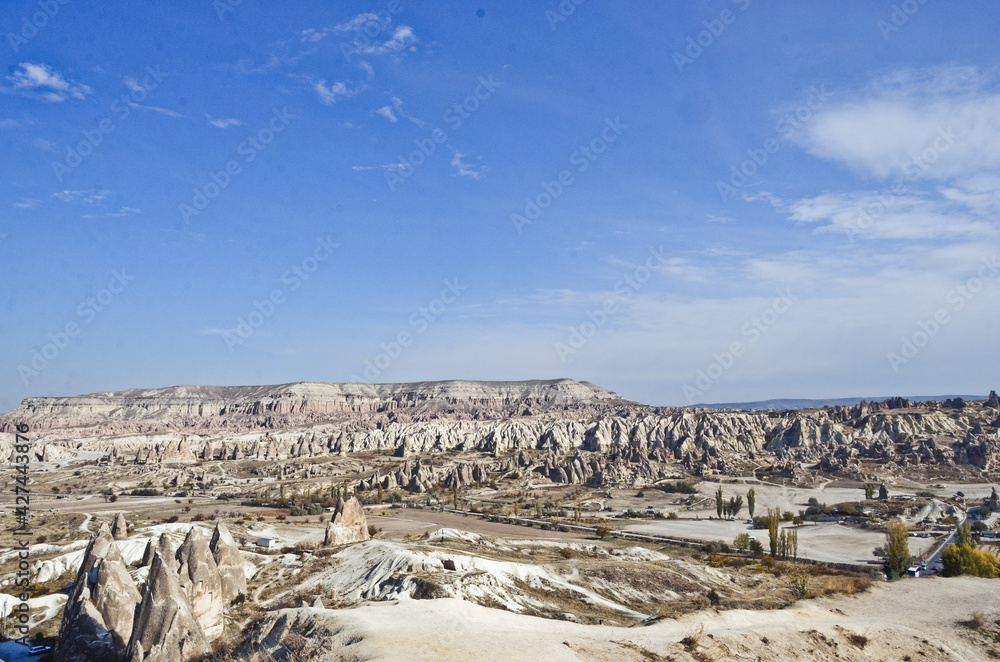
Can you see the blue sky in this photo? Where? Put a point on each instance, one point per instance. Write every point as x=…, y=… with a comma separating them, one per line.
x=245, y=193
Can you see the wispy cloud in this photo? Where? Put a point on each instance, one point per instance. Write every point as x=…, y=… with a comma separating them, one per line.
x=157, y=109
x=399, y=39
x=223, y=123
x=933, y=135
x=125, y=211
x=463, y=169
x=90, y=197
x=40, y=81
x=15, y=124
x=882, y=128
x=386, y=112
x=27, y=203
x=356, y=24
x=389, y=167
x=330, y=94
x=394, y=111
x=908, y=215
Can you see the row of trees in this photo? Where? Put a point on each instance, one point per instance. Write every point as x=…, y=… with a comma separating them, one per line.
x=734, y=505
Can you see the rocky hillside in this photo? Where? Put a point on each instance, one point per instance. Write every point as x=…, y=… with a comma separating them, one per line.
x=237, y=408
x=568, y=431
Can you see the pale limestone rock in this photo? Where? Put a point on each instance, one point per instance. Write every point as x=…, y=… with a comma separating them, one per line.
x=227, y=558
x=348, y=525
x=97, y=621
x=120, y=527
x=198, y=577
x=165, y=628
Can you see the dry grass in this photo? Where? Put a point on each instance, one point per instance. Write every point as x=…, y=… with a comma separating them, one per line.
x=846, y=584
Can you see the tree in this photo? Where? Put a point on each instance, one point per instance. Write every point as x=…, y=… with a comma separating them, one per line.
x=751, y=501
x=756, y=548
x=869, y=491
x=742, y=541
x=793, y=543
x=966, y=560
x=602, y=532
x=735, y=505
x=963, y=536
x=883, y=494
x=720, y=501
x=897, y=548
x=379, y=492
x=773, y=520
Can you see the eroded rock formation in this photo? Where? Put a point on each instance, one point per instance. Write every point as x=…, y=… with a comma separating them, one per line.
x=348, y=524
x=98, y=618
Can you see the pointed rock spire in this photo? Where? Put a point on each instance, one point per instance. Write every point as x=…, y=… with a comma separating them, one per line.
x=165, y=628
x=120, y=528
x=97, y=621
x=227, y=558
x=198, y=577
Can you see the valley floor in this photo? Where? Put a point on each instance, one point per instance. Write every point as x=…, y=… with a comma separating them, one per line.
x=926, y=620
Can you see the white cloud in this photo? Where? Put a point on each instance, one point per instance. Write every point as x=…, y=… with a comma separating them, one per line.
x=357, y=23
x=157, y=109
x=26, y=203
x=464, y=169
x=945, y=118
x=933, y=135
x=390, y=167
x=893, y=213
x=41, y=81
x=402, y=38
x=386, y=112
x=90, y=197
x=126, y=211
x=223, y=123
x=330, y=94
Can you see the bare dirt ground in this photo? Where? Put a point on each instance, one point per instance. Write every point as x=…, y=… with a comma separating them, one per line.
x=886, y=623
x=415, y=522
x=826, y=541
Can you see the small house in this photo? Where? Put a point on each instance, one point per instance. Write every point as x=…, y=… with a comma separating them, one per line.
x=267, y=542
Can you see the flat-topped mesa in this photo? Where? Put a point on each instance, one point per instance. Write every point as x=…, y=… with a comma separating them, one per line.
x=348, y=524
x=184, y=407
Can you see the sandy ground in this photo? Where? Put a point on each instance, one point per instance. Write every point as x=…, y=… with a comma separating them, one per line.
x=414, y=521
x=889, y=622
x=826, y=541
x=769, y=495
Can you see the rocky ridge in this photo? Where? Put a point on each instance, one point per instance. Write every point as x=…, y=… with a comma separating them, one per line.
x=566, y=431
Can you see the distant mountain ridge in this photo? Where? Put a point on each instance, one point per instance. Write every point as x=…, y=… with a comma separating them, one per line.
x=804, y=403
